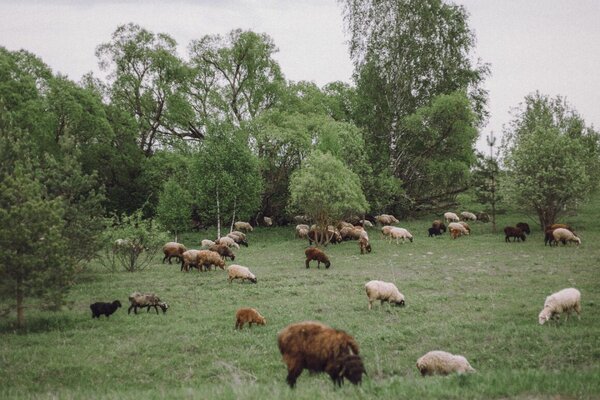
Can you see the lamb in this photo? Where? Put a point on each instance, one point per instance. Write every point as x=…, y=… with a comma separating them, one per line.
x=173, y=249
x=385, y=292
x=468, y=216
x=206, y=243
x=147, y=300
x=318, y=348
x=312, y=253
x=450, y=216
x=524, y=226
x=235, y=271
x=229, y=242
x=443, y=363
x=107, y=309
x=238, y=237
x=513, y=232
x=249, y=316
x=564, y=235
x=439, y=225
x=243, y=226
x=400, y=233
x=364, y=245
x=566, y=300
x=460, y=227
x=224, y=251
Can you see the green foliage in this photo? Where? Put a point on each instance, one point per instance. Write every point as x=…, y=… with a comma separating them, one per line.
x=551, y=158
x=325, y=190
x=130, y=242
x=174, y=207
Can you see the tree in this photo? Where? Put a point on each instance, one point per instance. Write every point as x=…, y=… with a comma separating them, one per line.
x=551, y=158
x=407, y=53
x=484, y=179
x=326, y=190
x=174, y=207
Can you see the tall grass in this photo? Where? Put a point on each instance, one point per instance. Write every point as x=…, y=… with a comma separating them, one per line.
x=477, y=296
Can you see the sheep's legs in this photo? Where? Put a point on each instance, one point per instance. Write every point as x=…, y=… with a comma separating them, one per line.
x=293, y=374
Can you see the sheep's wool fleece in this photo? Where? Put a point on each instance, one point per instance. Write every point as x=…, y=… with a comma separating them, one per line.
x=380, y=290
x=443, y=363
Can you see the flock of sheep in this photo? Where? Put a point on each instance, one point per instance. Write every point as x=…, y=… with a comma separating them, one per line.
x=314, y=346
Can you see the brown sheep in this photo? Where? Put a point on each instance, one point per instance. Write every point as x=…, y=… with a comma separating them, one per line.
x=467, y=227
x=364, y=245
x=454, y=233
x=524, y=226
x=173, y=249
x=319, y=348
x=515, y=233
x=312, y=253
x=209, y=258
x=249, y=316
x=189, y=259
x=556, y=226
x=439, y=225
x=224, y=251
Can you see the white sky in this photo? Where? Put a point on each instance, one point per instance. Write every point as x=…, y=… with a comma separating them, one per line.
x=548, y=45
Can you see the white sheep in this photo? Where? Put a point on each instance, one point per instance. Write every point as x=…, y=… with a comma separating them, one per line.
x=443, y=363
x=384, y=291
x=243, y=226
x=450, y=216
x=206, y=243
x=564, y=235
x=366, y=223
x=227, y=241
x=386, y=229
x=468, y=216
x=400, y=233
x=268, y=221
x=235, y=271
x=566, y=300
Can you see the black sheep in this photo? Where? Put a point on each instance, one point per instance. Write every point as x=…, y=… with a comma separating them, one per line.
x=434, y=231
x=524, y=226
x=104, y=308
x=513, y=232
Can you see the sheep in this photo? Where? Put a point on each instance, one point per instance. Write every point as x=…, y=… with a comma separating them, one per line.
x=127, y=246
x=564, y=235
x=302, y=233
x=556, y=226
x=318, y=348
x=515, y=233
x=229, y=242
x=443, y=363
x=173, y=249
x=235, y=271
x=224, y=251
x=524, y=226
x=366, y=223
x=400, y=233
x=468, y=216
x=238, y=237
x=147, y=300
x=302, y=219
x=483, y=217
x=206, y=243
x=243, y=226
x=267, y=221
x=189, y=259
x=439, y=225
x=249, y=316
x=208, y=258
x=386, y=219
x=343, y=224
x=434, y=231
x=364, y=245
x=566, y=300
x=451, y=217
x=548, y=237
x=385, y=292
x=351, y=233
x=107, y=309
x=454, y=233
x=460, y=227
x=467, y=227
x=312, y=253
x=332, y=235
x=386, y=229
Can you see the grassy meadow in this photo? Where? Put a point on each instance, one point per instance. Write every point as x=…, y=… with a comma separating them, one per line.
x=476, y=296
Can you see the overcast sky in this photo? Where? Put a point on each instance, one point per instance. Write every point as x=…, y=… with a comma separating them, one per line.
x=548, y=45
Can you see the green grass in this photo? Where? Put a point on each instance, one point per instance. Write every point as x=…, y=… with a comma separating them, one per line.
x=477, y=296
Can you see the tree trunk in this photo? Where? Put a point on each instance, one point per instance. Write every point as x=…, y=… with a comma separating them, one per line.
x=218, y=216
x=493, y=203
x=233, y=216
x=20, y=305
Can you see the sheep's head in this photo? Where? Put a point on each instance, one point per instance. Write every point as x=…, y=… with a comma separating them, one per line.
x=220, y=263
x=163, y=306
x=253, y=280
x=244, y=243
x=544, y=316
x=522, y=236
x=399, y=303
x=117, y=303
x=327, y=264
x=262, y=321
x=348, y=366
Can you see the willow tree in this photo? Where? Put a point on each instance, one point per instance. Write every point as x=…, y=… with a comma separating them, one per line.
x=325, y=190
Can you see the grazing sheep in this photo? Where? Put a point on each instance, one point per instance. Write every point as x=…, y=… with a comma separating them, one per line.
x=343, y=224
x=147, y=300
x=173, y=249
x=385, y=230
x=564, y=301
x=366, y=223
x=238, y=237
x=443, y=363
x=107, y=309
x=229, y=242
x=332, y=235
x=242, y=226
x=451, y=217
x=524, y=226
x=454, y=233
x=564, y=235
x=224, y=251
x=515, y=233
x=267, y=221
x=439, y=225
x=386, y=219
x=483, y=217
x=352, y=233
x=467, y=227
x=468, y=216
x=400, y=233
x=302, y=233
x=319, y=348
x=460, y=227
x=434, y=231
x=189, y=259
x=235, y=271
x=206, y=243
x=249, y=316
x=312, y=253
x=364, y=245
x=208, y=258
x=385, y=292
